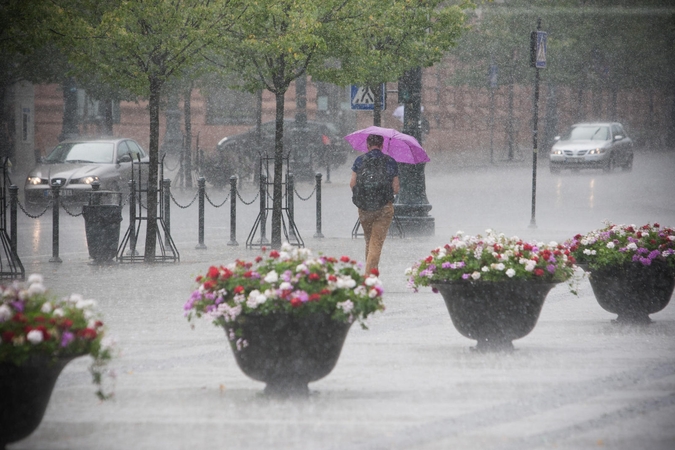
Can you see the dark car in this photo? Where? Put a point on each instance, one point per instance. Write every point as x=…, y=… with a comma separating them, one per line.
x=75, y=164
x=601, y=145
x=310, y=147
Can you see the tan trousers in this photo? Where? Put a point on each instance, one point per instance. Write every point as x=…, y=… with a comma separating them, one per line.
x=375, y=228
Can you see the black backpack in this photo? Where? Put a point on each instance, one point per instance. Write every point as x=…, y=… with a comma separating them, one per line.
x=373, y=187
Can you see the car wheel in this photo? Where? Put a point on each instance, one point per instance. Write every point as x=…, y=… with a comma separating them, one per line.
x=629, y=164
x=609, y=166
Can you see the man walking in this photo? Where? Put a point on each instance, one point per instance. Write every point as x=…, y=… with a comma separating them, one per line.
x=374, y=183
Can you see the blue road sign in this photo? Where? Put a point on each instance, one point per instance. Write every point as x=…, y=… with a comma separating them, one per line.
x=541, y=50
x=363, y=98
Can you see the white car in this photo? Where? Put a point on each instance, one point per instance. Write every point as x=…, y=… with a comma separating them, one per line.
x=601, y=145
x=74, y=165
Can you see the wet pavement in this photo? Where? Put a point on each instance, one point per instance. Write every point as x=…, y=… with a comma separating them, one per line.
x=410, y=381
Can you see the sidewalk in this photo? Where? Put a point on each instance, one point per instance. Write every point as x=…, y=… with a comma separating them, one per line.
x=577, y=381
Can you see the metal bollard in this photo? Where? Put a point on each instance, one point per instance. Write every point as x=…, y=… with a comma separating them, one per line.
x=13, y=201
x=318, y=233
x=132, y=217
x=56, y=205
x=233, y=211
x=290, y=193
x=166, y=185
x=201, y=183
x=95, y=199
x=327, y=173
x=263, y=208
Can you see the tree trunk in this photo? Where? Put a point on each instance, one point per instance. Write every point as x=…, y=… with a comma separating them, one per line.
x=377, y=107
x=107, y=116
x=151, y=230
x=278, y=171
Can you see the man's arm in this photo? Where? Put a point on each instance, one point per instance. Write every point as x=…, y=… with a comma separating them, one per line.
x=394, y=184
x=352, y=182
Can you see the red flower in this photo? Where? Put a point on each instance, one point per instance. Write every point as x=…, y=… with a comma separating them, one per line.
x=332, y=278
x=656, y=225
x=295, y=302
x=429, y=259
x=248, y=274
x=213, y=272
x=314, y=297
x=375, y=272
x=209, y=284
x=239, y=289
x=66, y=323
x=527, y=247
x=274, y=254
x=314, y=277
x=7, y=336
x=539, y=272
x=19, y=317
x=344, y=259
x=88, y=333
x=199, y=279
x=324, y=292
x=258, y=259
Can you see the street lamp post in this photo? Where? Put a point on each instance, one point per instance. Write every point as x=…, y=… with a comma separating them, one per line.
x=412, y=206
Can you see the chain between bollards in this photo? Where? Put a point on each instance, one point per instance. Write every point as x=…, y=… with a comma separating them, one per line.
x=318, y=233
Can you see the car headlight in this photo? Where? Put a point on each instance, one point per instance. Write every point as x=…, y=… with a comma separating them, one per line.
x=556, y=152
x=37, y=180
x=597, y=151
x=85, y=180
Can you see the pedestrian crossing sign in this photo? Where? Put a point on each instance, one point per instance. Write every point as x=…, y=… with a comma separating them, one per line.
x=363, y=97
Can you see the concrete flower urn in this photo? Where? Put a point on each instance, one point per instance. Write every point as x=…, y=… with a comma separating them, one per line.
x=287, y=352
x=494, y=313
x=633, y=291
x=26, y=390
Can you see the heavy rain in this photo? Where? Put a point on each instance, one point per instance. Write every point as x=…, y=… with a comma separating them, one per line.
x=490, y=102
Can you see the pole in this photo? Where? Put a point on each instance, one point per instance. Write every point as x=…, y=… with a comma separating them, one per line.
x=318, y=233
x=290, y=204
x=233, y=211
x=201, y=183
x=13, y=200
x=55, y=224
x=167, y=210
x=533, y=221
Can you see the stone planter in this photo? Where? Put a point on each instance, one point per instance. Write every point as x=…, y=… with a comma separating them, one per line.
x=288, y=352
x=494, y=313
x=633, y=291
x=26, y=390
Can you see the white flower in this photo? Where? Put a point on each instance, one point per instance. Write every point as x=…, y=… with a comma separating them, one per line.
x=372, y=280
x=58, y=312
x=301, y=268
x=553, y=244
x=271, y=277
x=475, y=275
x=360, y=290
x=35, y=278
x=34, y=336
x=74, y=298
x=46, y=308
x=610, y=244
x=485, y=269
x=36, y=289
x=499, y=266
x=510, y=273
x=5, y=313
x=285, y=286
x=373, y=293
x=84, y=304
x=345, y=306
x=408, y=271
x=286, y=247
x=632, y=246
x=255, y=298
x=530, y=265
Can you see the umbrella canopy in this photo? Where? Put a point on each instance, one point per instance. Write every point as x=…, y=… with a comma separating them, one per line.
x=402, y=147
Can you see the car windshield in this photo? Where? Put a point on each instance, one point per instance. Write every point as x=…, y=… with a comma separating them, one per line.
x=588, y=133
x=82, y=152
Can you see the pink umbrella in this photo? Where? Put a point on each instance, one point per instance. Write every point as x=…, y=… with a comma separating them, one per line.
x=402, y=147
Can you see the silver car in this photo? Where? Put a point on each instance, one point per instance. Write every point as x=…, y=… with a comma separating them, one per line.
x=601, y=145
x=75, y=164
